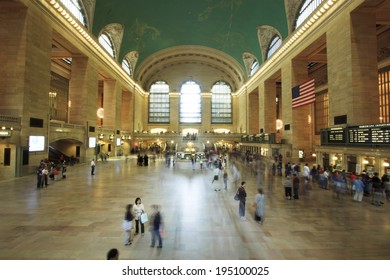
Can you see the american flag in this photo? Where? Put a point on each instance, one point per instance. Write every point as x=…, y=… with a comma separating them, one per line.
x=303, y=94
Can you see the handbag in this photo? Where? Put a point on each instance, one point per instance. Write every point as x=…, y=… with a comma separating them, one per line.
x=127, y=225
x=144, y=218
x=236, y=197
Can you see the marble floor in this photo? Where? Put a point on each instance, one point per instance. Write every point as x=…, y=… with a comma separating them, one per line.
x=79, y=218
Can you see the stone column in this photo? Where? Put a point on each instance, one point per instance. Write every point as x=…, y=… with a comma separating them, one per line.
x=253, y=112
x=206, y=112
x=302, y=130
x=352, y=68
x=268, y=106
x=112, y=99
x=127, y=111
x=83, y=92
x=174, y=106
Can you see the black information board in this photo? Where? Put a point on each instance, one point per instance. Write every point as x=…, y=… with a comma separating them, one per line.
x=336, y=135
x=373, y=134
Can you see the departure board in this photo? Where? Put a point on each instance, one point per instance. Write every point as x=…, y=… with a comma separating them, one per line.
x=369, y=134
x=359, y=135
x=336, y=135
x=372, y=134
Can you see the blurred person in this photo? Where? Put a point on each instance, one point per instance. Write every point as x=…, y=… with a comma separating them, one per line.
x=156, y=227
x=306, y=172
x=225, y=179
x=358, y=187
x=127, y=224
x=93, y=167
x=242, y=199
x=259, y=206
x=295, y=184
x=138, y=210
x=217, y=173
x=386, y=186
x=377, y=190
x=288, y=187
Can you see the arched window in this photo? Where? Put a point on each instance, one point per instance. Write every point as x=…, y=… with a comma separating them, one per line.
x=190, y=103
x=254, y=67
x=126, y=66
x=274, y=45
x=106, y=43
x=221, y=103
x=159, y=103
x=74, y=7
x=306, y=10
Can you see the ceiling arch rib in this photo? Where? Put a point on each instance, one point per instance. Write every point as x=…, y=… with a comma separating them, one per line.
x=203, y=64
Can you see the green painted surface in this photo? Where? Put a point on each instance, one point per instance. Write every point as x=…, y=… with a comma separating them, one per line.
x=226, y=25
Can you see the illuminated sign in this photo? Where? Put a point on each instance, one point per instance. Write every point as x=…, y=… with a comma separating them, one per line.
x=5, y=133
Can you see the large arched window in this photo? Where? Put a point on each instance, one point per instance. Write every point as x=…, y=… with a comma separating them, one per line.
x=126, y=66
x=74, y=7
x=190, y=103
x=159, y=103
x=107, y=44
x=221, y=103
x=274, y=45
x=254, y=67
x=306, y=10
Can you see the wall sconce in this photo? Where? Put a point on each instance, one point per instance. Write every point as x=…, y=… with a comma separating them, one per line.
x=313, y=154
x=279, y=124
x=100, y=113
x=365, y=161
x=101, y=136
x=129, y=138
x=386, y=164
x=335, y=158
x=111, y=136
x=123, y=137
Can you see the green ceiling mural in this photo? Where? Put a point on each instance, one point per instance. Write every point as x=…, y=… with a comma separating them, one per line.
x=226, y=25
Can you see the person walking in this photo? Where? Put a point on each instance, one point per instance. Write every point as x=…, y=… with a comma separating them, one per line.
x=138, y=210
x=225, y=179
x=217, y=172
x=259, y=206
x=127, y=224
x=358, y=189
x=92, y=167
x=287, y=188
x=242, y=199
x=156, y=227
x=296, y=186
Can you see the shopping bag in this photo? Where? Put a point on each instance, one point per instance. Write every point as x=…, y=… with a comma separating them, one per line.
x=144, y=218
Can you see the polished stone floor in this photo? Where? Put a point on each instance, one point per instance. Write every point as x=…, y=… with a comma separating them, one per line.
x=79, y=218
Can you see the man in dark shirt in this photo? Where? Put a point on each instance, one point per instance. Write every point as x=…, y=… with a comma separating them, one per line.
x=376, y=189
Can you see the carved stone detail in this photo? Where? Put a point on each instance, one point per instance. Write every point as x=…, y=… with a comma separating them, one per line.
x=265, y=34
x=132, y=58
x=292, y=8
x=89, y=8
x=248, y=59
x=115, y=31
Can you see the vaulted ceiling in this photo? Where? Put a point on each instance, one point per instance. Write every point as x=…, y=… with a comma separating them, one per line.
x=201, y=40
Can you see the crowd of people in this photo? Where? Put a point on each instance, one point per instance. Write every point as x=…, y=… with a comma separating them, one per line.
x=49, y=170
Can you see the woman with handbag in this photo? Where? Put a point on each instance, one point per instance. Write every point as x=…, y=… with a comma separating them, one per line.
x=139, y=210
x=127, y=224
x=242, y=198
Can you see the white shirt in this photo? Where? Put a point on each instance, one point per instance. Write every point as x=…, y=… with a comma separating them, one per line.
x=92, y=163
x=138, y=210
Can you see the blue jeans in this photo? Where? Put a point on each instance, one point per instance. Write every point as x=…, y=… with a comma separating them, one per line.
x=156, y=234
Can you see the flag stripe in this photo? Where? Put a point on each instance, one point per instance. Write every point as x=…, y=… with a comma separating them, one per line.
x=303, y=94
